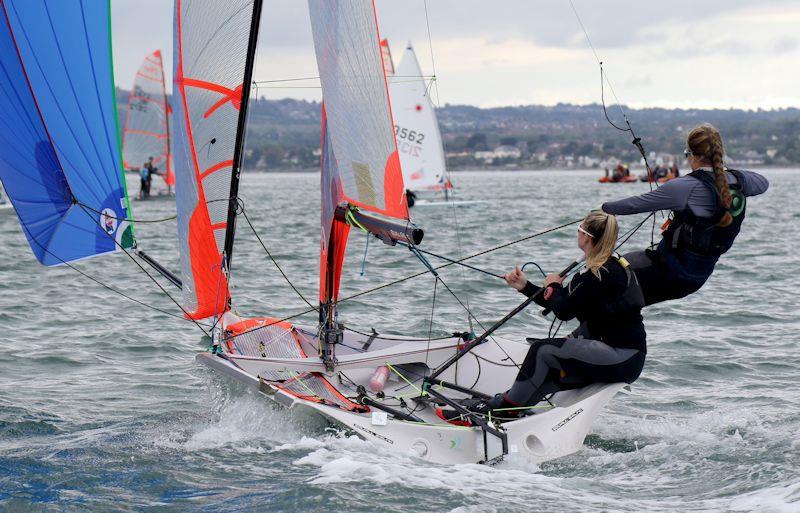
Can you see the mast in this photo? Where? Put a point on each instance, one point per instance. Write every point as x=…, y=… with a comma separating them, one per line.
x=167, y=110
x=241, y=127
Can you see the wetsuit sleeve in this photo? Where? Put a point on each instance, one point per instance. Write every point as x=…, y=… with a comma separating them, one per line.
x=582, y=294
x=754, y=183
x=531, y=289
x=566, y=303
x=673, y=195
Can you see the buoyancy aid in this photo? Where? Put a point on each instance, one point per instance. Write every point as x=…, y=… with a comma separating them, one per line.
x=701, y=235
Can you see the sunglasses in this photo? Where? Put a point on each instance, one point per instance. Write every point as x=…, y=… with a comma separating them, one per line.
x=581, y=230
x=687, y=153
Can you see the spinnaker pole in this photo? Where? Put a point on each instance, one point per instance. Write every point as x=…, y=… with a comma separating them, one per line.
x=241, y=127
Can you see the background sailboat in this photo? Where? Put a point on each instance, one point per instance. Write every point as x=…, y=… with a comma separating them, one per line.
x=417, y=129
x=146, y=131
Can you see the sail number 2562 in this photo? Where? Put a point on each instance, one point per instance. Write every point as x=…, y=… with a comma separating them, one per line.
x=409, y=135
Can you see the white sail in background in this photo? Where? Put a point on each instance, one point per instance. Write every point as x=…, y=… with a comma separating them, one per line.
x=418, y=139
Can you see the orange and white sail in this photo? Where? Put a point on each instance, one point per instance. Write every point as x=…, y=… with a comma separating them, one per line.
x=360, y=163
x=212, y=54
x=146, y=130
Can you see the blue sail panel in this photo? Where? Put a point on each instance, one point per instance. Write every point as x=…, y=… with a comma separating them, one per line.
x=60, y=159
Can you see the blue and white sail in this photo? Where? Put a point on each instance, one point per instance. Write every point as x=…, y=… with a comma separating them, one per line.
x=59, y=149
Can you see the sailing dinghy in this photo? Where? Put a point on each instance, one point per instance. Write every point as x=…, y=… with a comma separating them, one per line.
x=416, y=127
x=146, y=130
x=384, y=388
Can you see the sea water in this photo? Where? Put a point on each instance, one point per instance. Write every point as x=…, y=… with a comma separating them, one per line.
x=103, y=407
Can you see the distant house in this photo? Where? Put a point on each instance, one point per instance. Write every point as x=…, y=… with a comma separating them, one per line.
x=507, y=152
x=488, y=156
x=501, y=152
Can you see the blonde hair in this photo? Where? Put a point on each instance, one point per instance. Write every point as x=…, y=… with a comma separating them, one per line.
x=704, y=141
x=604, y=230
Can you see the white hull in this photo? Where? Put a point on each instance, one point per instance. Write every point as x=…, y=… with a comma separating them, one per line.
x=553, y=432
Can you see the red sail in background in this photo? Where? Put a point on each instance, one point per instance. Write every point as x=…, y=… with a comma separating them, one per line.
x=146, y=130
x=386, y=54
x=360, y=164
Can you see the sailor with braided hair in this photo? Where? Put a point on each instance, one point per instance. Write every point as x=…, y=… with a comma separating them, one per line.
x=708, y=207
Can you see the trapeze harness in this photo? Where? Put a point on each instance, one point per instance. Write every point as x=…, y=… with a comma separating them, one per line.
x=691, y=245
x=609, y=345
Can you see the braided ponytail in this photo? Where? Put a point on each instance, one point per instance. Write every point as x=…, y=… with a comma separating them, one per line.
x=705, y=142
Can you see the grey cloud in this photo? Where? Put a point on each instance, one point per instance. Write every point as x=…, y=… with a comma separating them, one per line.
x=785, y=45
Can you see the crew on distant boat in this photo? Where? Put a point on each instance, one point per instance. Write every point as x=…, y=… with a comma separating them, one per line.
x=661, y=174
x=708, y=206
x=609, y=345
x=411, y=198
x=621, y=173
x=146, y=175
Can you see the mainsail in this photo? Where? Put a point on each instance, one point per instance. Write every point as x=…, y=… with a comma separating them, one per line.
x=360, y=165
x=146, y=130
x=418, y=137
x=213, y=54
x=59, y=151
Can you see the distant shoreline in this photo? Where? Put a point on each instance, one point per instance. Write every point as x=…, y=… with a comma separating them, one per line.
x=493, y=169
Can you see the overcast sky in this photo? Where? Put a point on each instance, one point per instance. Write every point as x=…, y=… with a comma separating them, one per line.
x=681, y=53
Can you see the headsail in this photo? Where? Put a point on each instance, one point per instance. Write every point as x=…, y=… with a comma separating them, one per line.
x=214, y=49
x=59, y=151
x=418, y=136
x=146, y=130
x=360, y=164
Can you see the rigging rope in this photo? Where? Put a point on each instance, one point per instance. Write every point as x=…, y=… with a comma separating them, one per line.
x=637, y=141
x=143, y=221
x=102, y=284
x=300, y=294
x=416, y=275
x=141, y=267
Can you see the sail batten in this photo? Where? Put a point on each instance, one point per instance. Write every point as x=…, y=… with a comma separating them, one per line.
x=212, y=60
x=61, y=163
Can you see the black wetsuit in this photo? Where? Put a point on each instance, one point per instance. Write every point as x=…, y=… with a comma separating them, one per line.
x=675, y=271
x=609, y=346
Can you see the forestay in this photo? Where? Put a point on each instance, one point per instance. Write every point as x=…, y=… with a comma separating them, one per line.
x=360, y=164
x=146, y=130
x=416, y=127
x=211, y=53
x=59, y=151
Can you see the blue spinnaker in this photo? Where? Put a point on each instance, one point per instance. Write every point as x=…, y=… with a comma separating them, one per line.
x=59, y=149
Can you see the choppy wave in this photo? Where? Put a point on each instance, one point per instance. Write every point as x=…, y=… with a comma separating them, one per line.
x=103, y=407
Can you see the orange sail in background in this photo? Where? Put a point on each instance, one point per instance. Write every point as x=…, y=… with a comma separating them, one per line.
x=146, y=130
